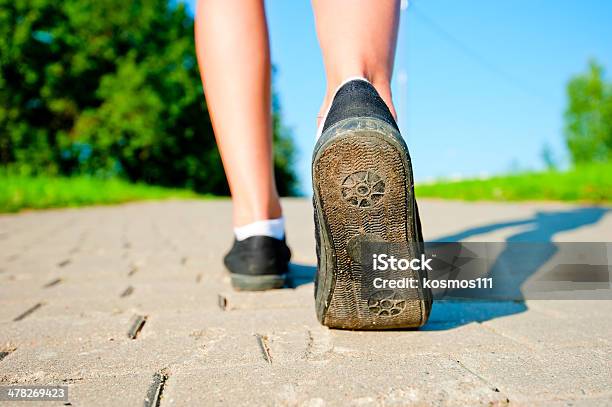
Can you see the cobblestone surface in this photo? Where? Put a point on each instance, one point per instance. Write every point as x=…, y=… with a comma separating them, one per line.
x=130, y=305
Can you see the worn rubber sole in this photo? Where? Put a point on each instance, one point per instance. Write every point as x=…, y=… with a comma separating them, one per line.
x=363, y=190
x=242, y=282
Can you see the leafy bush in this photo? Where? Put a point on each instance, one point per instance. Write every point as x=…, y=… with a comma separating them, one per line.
x=110, y=88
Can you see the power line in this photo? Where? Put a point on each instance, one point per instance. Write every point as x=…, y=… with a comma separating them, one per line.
x=470, y=52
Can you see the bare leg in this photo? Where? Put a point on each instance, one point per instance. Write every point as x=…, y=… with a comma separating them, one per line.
x=358, y=38
x=234, y=57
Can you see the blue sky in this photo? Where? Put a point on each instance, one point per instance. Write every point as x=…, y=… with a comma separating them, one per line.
x=479, y=85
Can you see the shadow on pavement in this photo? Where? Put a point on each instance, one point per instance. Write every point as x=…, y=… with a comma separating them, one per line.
x=540, y=228
x=300, y=274
x=544, y=225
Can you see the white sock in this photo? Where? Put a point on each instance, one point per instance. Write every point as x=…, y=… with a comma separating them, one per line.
x=322, y=122
x=270, y=227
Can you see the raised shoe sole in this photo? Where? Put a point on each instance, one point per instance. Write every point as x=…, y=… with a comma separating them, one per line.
x=363, y=190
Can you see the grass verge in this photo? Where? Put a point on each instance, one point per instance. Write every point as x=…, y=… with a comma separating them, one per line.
x=24, y=192
x=587, y=183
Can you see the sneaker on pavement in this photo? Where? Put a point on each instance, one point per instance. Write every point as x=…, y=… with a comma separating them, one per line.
x=363, y=191
x=258, y=263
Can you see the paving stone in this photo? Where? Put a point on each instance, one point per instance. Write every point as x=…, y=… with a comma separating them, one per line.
x=32, y=332
x=597, y=309
x=528, y=375
x=438, y=380
x=546, y=331
x=230, y=300
x=112, y=390
x=237, y=338
x=92, y=359
x=602, y=401
x=473, y=337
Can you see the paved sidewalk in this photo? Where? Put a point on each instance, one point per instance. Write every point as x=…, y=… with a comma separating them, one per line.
x=126, y=302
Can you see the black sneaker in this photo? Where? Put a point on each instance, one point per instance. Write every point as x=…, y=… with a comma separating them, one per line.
x=363, y=191
x=258, y=263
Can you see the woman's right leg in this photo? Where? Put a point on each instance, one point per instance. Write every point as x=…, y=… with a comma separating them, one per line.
x=362, y=176
x=358, y=39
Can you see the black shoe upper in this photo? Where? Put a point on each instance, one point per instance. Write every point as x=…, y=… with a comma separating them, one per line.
x=358, y=98
x=258, y=255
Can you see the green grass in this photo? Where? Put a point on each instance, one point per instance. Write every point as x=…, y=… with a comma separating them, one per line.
x=588, y=183
x=23, y=192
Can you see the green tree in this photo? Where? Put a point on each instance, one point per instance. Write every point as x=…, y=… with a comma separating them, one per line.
x=588, y=118
x=110, y=88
